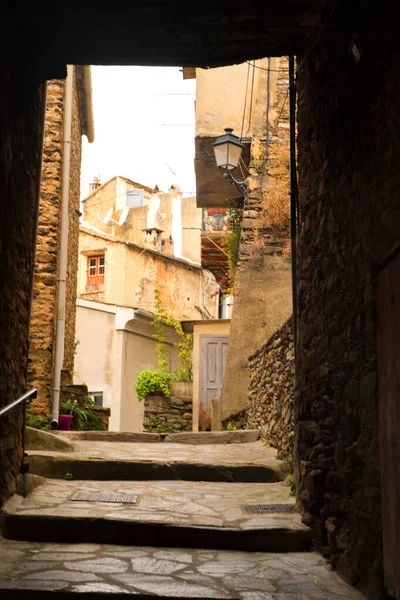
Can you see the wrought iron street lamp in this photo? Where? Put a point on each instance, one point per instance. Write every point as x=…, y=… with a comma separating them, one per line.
x=228, y=150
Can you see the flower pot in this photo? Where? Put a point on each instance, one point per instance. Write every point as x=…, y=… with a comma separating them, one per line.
x=65, y=422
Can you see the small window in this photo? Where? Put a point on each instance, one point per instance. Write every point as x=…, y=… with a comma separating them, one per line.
x=134, y=198
x=97, y=397
x=92, y=267
x=95, y=273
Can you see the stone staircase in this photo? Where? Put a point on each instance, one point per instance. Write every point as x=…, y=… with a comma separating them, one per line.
x=179, y=516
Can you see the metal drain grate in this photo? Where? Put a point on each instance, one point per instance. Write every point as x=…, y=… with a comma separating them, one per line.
x=252, y=509
x=104, y=497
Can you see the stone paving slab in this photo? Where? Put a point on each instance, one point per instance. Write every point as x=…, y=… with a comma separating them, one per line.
x=201, y=514
x=109, y=571
x=252, y=462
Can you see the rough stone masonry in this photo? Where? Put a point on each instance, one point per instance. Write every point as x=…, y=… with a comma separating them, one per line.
x=271, y=392
x=349, y=152
x=43, y=319
x=21, y=131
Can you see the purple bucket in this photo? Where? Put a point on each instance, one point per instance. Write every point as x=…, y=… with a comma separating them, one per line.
x=65, y=422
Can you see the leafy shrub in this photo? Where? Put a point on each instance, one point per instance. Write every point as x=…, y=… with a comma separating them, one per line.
x=38, y=421
x=231, y=426
x=152, y=381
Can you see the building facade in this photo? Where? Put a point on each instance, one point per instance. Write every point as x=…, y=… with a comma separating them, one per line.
x=47, y=265
x=252, y=99
x=128, y=240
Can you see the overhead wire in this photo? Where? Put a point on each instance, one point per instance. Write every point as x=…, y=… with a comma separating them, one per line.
x=245, y=101
x=251, y=100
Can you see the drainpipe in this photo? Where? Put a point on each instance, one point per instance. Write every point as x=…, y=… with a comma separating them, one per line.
x=293, y=193
x=63, y=260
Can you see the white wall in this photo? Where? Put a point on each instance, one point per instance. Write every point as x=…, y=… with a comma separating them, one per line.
x=96, y=353
x=116, y=343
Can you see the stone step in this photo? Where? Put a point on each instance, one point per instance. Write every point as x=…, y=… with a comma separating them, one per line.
x=104, y=460
x=62, y=571
x=89, y=469
x=241, y=436
x=167, y=513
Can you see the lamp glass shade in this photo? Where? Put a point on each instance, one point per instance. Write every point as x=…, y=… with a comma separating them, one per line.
x=227, y=150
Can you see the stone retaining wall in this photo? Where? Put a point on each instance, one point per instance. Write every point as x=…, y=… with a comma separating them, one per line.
x=271, y=391
x=235, y=420
x=162, y=415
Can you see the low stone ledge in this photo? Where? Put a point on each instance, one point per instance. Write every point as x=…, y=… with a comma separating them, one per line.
x=172, y=414
x=37, y=439
x=214, y=437
x=111, y=436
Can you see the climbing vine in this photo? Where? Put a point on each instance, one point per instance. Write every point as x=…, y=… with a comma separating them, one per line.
x=161, y=321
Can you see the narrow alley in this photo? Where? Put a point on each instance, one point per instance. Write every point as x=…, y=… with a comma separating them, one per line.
x=209, y=514
x=282, y=264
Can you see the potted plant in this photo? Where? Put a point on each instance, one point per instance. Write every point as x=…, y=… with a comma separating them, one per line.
x=71, y=412
x=66, y=417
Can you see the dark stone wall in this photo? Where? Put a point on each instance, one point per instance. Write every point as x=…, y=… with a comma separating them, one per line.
x=21, y=133
x=349, y=153
x=271, y=391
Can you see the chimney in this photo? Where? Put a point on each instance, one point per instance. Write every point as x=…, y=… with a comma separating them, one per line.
x=96, y=184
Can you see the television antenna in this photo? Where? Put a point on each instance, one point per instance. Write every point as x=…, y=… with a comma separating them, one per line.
x=108, y=216
x=123, y=216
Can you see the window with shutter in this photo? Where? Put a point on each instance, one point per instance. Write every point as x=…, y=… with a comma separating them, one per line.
x=95, y=273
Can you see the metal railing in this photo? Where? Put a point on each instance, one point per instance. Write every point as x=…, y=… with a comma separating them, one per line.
x=24, y=400
x=27, y=398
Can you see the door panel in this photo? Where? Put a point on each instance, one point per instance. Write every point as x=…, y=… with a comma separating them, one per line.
x=213, y=352
x=388, y=347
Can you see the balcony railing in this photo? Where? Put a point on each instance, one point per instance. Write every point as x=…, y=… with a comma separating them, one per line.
x=216, y=222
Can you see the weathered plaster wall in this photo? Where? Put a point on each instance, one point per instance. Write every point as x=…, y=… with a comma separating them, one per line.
x=132, y=274
x=112, y=194
x=178, y=218
x=262, y=293
x=21, y=132
x=119, y=347
x=95, y=330
x=262, y=302
x=271, y=391
x=191, y=229
x=349, y=152
x=221, y=96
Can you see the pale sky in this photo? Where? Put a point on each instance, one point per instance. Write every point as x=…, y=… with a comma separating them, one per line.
x=143, y=118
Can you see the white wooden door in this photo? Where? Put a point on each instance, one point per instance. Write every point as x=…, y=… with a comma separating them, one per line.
x=213, y=353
